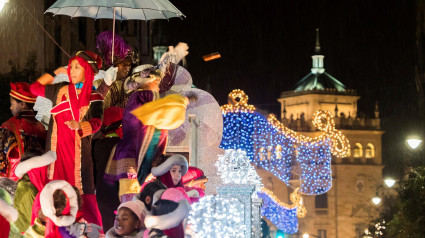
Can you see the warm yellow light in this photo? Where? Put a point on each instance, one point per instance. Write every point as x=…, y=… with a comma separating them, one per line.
x=238, y=102
x=322, y=120
x=2, y=2
x=306, y=235
x=389, y=182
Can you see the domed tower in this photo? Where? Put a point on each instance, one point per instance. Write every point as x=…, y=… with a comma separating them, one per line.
x=344, y=210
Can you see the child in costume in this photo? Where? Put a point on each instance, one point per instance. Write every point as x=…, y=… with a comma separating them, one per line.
x=146, y=122
x=20, y=133
x=129, y=221
x=170, y=173
x=148, y=191
x=59, y=206
x=167, y=215
x=76, y=114
x=8, y=215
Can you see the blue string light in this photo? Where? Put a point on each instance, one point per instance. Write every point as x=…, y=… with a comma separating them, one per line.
x=307, y=164
x=283, y=218
x=297, y=160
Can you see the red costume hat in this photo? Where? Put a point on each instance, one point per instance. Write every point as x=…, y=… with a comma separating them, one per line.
x=93, y=59
x=22, y=92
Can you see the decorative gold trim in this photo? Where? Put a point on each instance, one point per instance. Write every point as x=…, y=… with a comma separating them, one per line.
x=77, y=169
x=85, y=128
x=53, y=145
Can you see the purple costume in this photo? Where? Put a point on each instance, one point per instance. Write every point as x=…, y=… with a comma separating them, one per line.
x=139, y=143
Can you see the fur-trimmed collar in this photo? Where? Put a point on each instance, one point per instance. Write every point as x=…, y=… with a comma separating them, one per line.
x=47, y=204
x=35, y=162
x=8, y=212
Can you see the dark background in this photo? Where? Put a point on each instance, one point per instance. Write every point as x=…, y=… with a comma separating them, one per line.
x=266, y=47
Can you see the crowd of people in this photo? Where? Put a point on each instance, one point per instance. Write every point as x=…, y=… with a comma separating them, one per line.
x=100, y=168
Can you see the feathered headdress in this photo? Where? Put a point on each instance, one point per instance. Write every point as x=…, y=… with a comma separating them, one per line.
x=122, y=51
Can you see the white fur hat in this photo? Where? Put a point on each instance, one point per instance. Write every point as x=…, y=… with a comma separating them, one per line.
x=47, y=204
x=175, y=159
x=6, y=209
x=35, y=162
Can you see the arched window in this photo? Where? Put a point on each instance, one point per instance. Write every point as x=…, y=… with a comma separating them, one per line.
x=370, y=151
x=357, y=151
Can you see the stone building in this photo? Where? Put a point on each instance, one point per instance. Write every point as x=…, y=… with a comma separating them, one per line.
x=346, y=209
x=25, y=29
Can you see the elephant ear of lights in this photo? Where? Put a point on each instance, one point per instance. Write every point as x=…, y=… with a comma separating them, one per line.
x=295, y=159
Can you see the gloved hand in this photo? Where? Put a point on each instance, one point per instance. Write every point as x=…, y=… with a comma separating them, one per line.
x=178, y=52
x=93, y=230
x=77, y=229
x=174, y=55
x=111, y=75
x=193, y=193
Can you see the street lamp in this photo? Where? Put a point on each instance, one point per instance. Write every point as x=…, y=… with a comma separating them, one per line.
x=2, y=2
x=376, y=200
x=414, y=142
x=389, y=182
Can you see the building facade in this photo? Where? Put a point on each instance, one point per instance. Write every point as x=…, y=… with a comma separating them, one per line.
x=25, y=30
x=346, y=209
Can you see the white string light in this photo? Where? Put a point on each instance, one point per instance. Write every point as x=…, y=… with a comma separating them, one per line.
x=217, y=216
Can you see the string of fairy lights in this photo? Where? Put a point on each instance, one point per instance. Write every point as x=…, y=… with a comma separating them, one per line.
x=300, y=161
x=234, y=168
x=297, y=160
x=323, y=121
x=217, y=216
x=284, y=216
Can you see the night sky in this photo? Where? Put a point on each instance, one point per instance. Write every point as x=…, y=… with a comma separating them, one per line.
x=266, y=47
